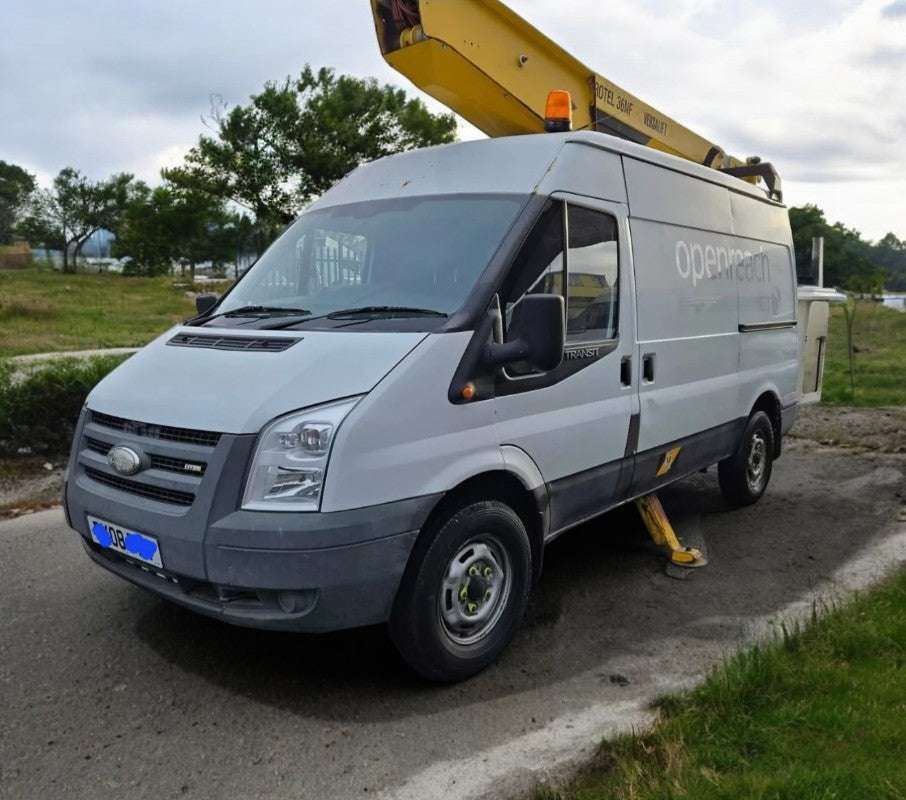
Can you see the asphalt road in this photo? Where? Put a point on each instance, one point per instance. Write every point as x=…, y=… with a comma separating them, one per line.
x=106, y=691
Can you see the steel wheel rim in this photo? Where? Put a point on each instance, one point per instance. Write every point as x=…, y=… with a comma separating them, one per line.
x=474, y=590
x=756, y=461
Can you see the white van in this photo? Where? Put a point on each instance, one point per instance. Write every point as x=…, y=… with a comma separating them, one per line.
x=450, y=359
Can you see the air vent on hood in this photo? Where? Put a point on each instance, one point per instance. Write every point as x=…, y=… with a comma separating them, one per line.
x=251, y=343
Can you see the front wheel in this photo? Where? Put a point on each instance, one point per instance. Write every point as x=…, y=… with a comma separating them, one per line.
x=744, y=476
x=463, y=593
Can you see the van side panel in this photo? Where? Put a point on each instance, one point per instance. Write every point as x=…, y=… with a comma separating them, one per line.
x=688, y=331
x=406, y=439
x=766, y=284
x=660, y=194
x=768, y=340
x=687, y=306
x=757, y=219
x=587, y=171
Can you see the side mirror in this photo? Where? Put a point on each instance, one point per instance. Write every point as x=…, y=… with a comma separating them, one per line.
x=539, y=319
x=204, y=303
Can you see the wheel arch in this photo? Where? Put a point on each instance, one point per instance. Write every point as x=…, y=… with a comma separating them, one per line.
x=769, y=402
x=530, y=504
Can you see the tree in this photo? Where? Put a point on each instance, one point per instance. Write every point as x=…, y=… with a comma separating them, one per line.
x=164, y=226
x=846, y=255
x=16, y=186
x=65, y=216
x=296, y=139
x=890, y=255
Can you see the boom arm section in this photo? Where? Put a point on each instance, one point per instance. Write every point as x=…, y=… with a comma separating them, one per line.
x=490, y=66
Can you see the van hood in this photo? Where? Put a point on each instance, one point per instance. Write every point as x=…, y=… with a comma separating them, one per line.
x=236, y=382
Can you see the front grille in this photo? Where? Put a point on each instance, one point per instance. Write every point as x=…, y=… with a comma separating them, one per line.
x=246, y=343
x=97, y=447
x=179, y=465
x=158, y=493
x=183, y=435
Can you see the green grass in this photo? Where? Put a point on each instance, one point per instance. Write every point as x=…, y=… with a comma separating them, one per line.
x=45, y=311
x=820, y=714
x=39, y=406
x=879, y=335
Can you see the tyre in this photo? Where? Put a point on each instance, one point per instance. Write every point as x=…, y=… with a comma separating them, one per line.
x=744, y=476
x=463, y=593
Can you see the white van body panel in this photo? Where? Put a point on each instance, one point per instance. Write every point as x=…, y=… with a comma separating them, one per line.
x=521, y=165
x=231, y=391
x=519, y=463
x=486, y=166
x=589, y=171
x=700, y=276
x=405, y=438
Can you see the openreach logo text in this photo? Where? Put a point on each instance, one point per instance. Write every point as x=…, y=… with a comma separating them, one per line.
x=697, y=262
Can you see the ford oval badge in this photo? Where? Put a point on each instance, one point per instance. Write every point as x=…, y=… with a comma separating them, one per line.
x=124, y=460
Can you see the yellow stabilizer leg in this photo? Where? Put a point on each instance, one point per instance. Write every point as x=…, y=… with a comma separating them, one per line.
x=661, y=532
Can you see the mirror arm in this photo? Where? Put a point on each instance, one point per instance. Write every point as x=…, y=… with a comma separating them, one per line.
x=498, y=354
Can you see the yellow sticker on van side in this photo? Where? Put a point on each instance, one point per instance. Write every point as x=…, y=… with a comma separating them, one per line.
x=668, y=461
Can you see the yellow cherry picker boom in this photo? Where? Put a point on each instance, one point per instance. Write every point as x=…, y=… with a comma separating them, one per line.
x=494, y=69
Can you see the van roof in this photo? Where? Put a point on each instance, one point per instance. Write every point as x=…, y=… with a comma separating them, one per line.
x=512, y=164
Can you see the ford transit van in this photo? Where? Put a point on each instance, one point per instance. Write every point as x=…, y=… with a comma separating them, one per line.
x=454, y=356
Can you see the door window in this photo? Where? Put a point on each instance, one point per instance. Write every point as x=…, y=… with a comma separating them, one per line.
x=571, y=251
x=592, y=274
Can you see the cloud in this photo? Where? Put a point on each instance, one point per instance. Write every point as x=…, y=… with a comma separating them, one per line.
x=887, y=56
x=894, y=10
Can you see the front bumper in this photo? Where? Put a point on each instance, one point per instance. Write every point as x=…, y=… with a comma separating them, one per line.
x=303, y=571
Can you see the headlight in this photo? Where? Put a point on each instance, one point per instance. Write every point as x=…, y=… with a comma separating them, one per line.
x=290, y=460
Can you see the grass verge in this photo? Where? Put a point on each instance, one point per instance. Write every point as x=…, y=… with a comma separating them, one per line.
x=39, y=407
x=44, y=311
x=879, y=336
x=819, y=714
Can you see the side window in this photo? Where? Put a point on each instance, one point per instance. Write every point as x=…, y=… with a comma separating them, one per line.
x=592, y=274
x=586, y=270
x=538, y=268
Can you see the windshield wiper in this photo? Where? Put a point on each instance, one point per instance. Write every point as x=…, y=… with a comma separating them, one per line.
x=362, y=313
x=245, y=311
x=369, y=310
x=241, y=312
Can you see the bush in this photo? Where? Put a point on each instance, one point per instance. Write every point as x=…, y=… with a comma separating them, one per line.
x=39, y=406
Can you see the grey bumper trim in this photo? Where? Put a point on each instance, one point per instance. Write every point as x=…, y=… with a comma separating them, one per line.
x=307, y=572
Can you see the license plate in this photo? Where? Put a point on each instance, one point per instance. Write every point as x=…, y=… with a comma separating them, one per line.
x=136, y=545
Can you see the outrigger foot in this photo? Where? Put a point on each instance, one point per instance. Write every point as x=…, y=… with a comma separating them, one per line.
x=662, y=533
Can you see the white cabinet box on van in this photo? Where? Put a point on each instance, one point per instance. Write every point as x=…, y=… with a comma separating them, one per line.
x=450, y=359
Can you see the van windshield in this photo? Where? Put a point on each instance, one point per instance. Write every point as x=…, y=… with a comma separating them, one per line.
x=418, y=254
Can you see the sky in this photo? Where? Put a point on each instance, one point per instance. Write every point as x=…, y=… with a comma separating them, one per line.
x=817, y=87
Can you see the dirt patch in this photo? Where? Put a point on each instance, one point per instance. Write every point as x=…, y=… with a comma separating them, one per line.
x=881, y=429
x=28, y=484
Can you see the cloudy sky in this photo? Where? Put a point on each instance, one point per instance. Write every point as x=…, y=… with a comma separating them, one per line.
x=818, y=87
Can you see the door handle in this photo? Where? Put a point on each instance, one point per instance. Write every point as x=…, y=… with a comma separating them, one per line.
x=626, y=371
x=648, y=363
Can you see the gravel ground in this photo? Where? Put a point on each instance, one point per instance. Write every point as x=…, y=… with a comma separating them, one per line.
x=880, y=429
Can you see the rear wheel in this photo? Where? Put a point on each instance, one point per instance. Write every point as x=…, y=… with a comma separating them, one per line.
x=464, y=592
x=744, y=476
